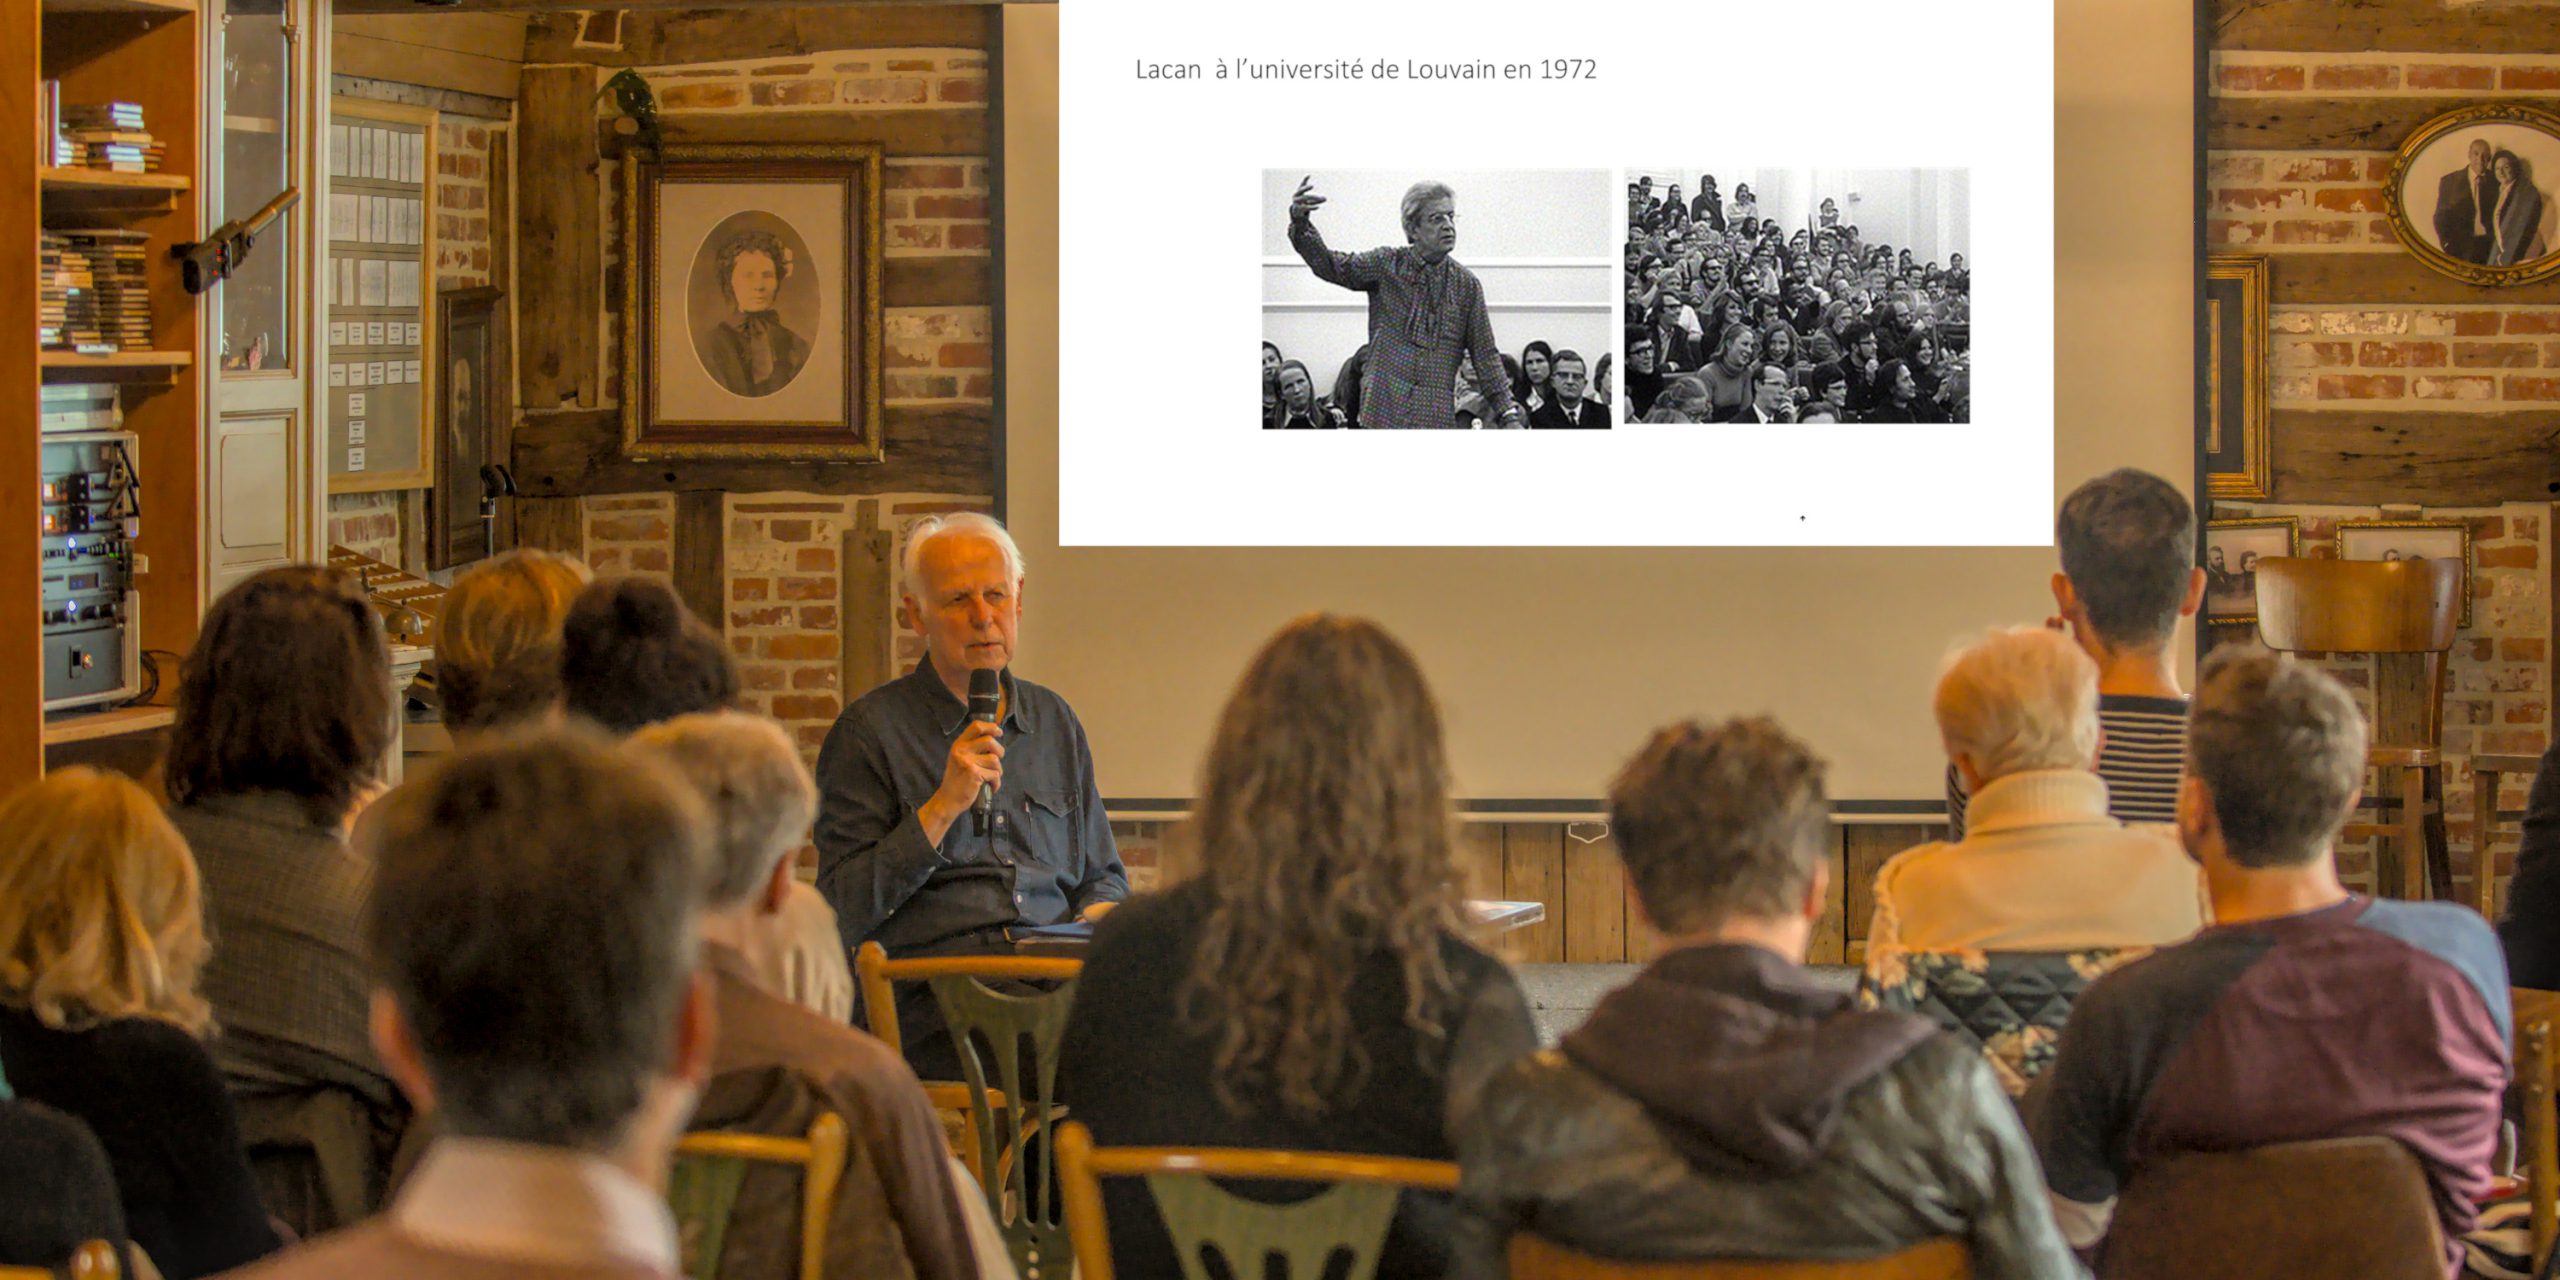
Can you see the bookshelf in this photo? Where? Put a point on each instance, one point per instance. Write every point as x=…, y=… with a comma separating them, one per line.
x=148, y=52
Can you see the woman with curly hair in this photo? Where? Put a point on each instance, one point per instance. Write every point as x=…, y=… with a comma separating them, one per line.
x=1311, y=988
x=498, y=639
x=101, y=941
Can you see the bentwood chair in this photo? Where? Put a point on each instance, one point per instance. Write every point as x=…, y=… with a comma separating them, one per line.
x=711, y=1167
x=2295, y=1211
x=95, y=1260
x=1007, y=1042
x=2403, y=613
x=1348, y=1220
x=2489, y=817
x=1537, y=1258
x=2536, y=1012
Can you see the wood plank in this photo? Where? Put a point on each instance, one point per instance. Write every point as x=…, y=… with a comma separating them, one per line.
x=2358, y=457
x=1533, y=871
x=559, y=289
x=929, y=450
x=551, y=524
x=21, y=635
x=1865, y=848
x=653, y=36
x=1644, y=942
x=939, y=131
x=365, y=56
x=2357, y=26
x=54, y=178
x=1830, y=941
x=121, y=361
x=2387, y=279
x=487, y=35
x=870, y=624
x=452, y=102
x=1595, y=900
x=1478, y=848
x=938, y=282
x=2320, y=124
x=148, y=8
x=701, y=552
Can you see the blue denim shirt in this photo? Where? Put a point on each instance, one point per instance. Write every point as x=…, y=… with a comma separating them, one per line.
x=1048, y=855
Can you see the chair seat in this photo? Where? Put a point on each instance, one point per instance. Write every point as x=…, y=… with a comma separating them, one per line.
x=1537, y=1258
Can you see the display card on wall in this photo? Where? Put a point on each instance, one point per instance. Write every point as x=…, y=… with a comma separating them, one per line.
x=381, y=242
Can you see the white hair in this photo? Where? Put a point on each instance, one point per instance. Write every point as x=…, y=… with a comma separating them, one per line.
x=1420, y=194
x=959, y=524
x=2022, y=698
x=759, y=791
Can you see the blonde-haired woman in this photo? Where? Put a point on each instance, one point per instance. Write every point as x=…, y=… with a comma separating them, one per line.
x=498, y=638
x=101, y=940
x=1312, y=988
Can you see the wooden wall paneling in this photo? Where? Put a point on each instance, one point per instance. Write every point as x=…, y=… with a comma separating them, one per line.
x=2360, y=457
x=473, y=53
x=552, y=524
x=652, y=37
x=1830, y=941
x=1533, y=871
x=2322, y=124
x=1644, y=942
x=559, y=289
x=937, y=282
x=869, y=619
x=1478, y=846
x=701, y=553
x=1866, y=847
x=452, y=102
x=21, y=635
x=1595, y=899
x=2390, y=278
x=2357, y=26
x=937, y=131
x=942, y=449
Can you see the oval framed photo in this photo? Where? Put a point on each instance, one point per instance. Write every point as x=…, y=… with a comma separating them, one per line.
x=2475, y=194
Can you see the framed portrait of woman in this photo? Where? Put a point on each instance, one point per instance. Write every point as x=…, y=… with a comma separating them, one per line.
x=2475, y=193
x=751, y=302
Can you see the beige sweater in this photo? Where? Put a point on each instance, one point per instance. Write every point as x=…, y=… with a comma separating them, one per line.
x=2041, y=868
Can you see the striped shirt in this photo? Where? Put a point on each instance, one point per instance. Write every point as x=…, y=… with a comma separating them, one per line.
x=2142, y=757
x=1423, y=316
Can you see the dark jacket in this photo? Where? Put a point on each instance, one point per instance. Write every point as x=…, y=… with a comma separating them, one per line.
x=1724, y=1106
x=1131, y=1069
x=58, y=1193
x=2531, y=929
x=1551, y=417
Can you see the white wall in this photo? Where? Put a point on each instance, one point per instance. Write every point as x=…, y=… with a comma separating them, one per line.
x=1542, y=242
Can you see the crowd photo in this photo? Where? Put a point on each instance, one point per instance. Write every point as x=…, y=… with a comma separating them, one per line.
x=1800, y=296
x=1377, y=315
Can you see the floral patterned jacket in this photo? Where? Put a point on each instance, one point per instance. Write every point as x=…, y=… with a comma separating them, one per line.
x=2009, y=1004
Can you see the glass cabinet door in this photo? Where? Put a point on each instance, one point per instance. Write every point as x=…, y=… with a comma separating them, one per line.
x=259, y=134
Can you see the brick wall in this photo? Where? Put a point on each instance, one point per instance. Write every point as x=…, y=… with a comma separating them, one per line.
x=2440, y=357
x=367, y=523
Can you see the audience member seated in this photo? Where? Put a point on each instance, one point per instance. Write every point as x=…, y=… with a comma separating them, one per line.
x=59, y=1194
x=632, y=655
x=1725, y=1105
x=777, y=1065
x=1312, y=988
x=2531, y=929
x=285, y=720
x=101, y=941
x=1562, y=405
x=2128, y=546
x=2306, y=1011
x=498, y=639
x=556, y=1031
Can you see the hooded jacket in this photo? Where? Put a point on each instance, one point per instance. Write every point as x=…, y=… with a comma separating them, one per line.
x=1724, y=1106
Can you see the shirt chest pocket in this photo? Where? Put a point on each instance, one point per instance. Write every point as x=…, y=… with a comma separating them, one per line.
x=1049, y=824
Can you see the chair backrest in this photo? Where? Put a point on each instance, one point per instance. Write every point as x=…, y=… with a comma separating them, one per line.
x=1007, y=1043
x=711, y=1166
x=1311, y=1236
x=2534, y=1053
x=2011, y=1005
x=2338, y=1207
x=95, y=1260
x=1537, y=1258
x=2404, y=612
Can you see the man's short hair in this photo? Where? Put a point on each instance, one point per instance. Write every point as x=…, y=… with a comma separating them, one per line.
x=1564, y=355
x=1823, y=378
x=2128, y=542
x=957, y=524
x=2281, y=747
x=532, y=915
x=1418, y=195
x=1857, y=332
x=1637, y=333
x=2020, y=699
x=1720, y=823
x=749, y=773
x=632, y=654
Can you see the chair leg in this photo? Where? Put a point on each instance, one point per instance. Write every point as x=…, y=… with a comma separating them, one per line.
x=2413, y=834
x=2484, y=842
x=2439, y=847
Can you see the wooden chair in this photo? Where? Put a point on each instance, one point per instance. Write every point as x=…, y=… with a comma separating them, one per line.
x=2403, y=613
x=95, y=1260
x=1537, y=1258
x=1350, y=1217
x=2536, y=1013
x=710, y=1168
x=2295, y=1211
x=2488, y=818
x=1008, y=1048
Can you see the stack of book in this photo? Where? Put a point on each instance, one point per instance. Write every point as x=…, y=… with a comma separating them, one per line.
x=120, y=278
x=110, y=136
x=79, y=406
x=67, y=296
x=53, y=293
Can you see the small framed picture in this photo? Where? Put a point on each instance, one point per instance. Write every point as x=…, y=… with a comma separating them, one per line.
x=2410, y=540
x=2232, y=550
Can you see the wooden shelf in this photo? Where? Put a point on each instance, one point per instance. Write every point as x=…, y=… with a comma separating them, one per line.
x=152, y=7
x=252, y=124
x=72, y=179
x=86, y=726
x=123, y=364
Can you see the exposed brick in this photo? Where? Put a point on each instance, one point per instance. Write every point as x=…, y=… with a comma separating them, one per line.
x=2533, y=388
x=786, y=69
x=2523, y=557
x=883, y=91
x=812, y=736
x=805, y=706
x=701, y=97
x=2533, y=322
x=2230, y=168
x=763, y=676
x=908, y=356
x=2400, y=355
x=769, y=616
x=967, y=355
x=801, y=647
x=2487, y=528
x=2526, y=713
x=2312, y=355
x=2304, y=231
x=818, y=617
x=2465, y=324
x=2344, y=386
x=814, y=678
x=2467, y=710
x=2257, y=199
x=951, y=206
x=912, y=64
x=2454, y=389
x=794, y=93
x=2316, y=169
x=978, y=386
x=2350, y=200
x=2279, y=79
x=968, y=235
x=814, y=560
x=926, y=176
x=2496, y=355
x=750, y=589
x=909, y=386
x=2235, y=231
x=2524, y=649
x=652, y=560
x=2528, y=528
x=743, y=646
x=2511, y=742
x=627, y=529
x=2452, y=77
x=962, y=89
x=791, y=530
x=2543, y=77
x=806, y=588
x=2356, y=76
x=913, y=235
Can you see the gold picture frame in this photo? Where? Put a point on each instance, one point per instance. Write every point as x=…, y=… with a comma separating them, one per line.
x=704, y=374
x=2427, y=197
x=2231, y=580
x=2402, y=539
x=2238, y=463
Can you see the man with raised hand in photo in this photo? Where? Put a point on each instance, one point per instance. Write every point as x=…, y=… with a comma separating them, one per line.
x=1425, y=312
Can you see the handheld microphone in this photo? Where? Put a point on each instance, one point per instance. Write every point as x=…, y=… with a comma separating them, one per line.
x=984, y=690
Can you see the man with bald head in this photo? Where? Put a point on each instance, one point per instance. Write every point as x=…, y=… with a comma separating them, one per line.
x=2465, y=199
x=900, y=856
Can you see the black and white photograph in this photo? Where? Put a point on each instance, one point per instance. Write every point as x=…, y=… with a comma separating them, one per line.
x=2472, y=193
x=750, y=317
x=2232, y=550
x=1809, y=296
x=1436, y=299
x=2410, y=540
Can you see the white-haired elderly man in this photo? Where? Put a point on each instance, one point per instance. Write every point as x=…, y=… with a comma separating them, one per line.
x=2041, y=867
x=902, y=767
x=1425, y=311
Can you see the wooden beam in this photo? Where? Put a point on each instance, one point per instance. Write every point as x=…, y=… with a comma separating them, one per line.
x=551, y=524
x=452, y=102
x=953, y=131
x=936, y=450
x=701, y=551
x=486, y=35
x=2358, y=457
x=2320, y=124
x=458, y=7
x=559, y=289
x=2359, y=26
x=941, y=282
x=1533, y=871
x=654, y=37
x=2387, y=279
x=868, y=621
x=449, y=53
